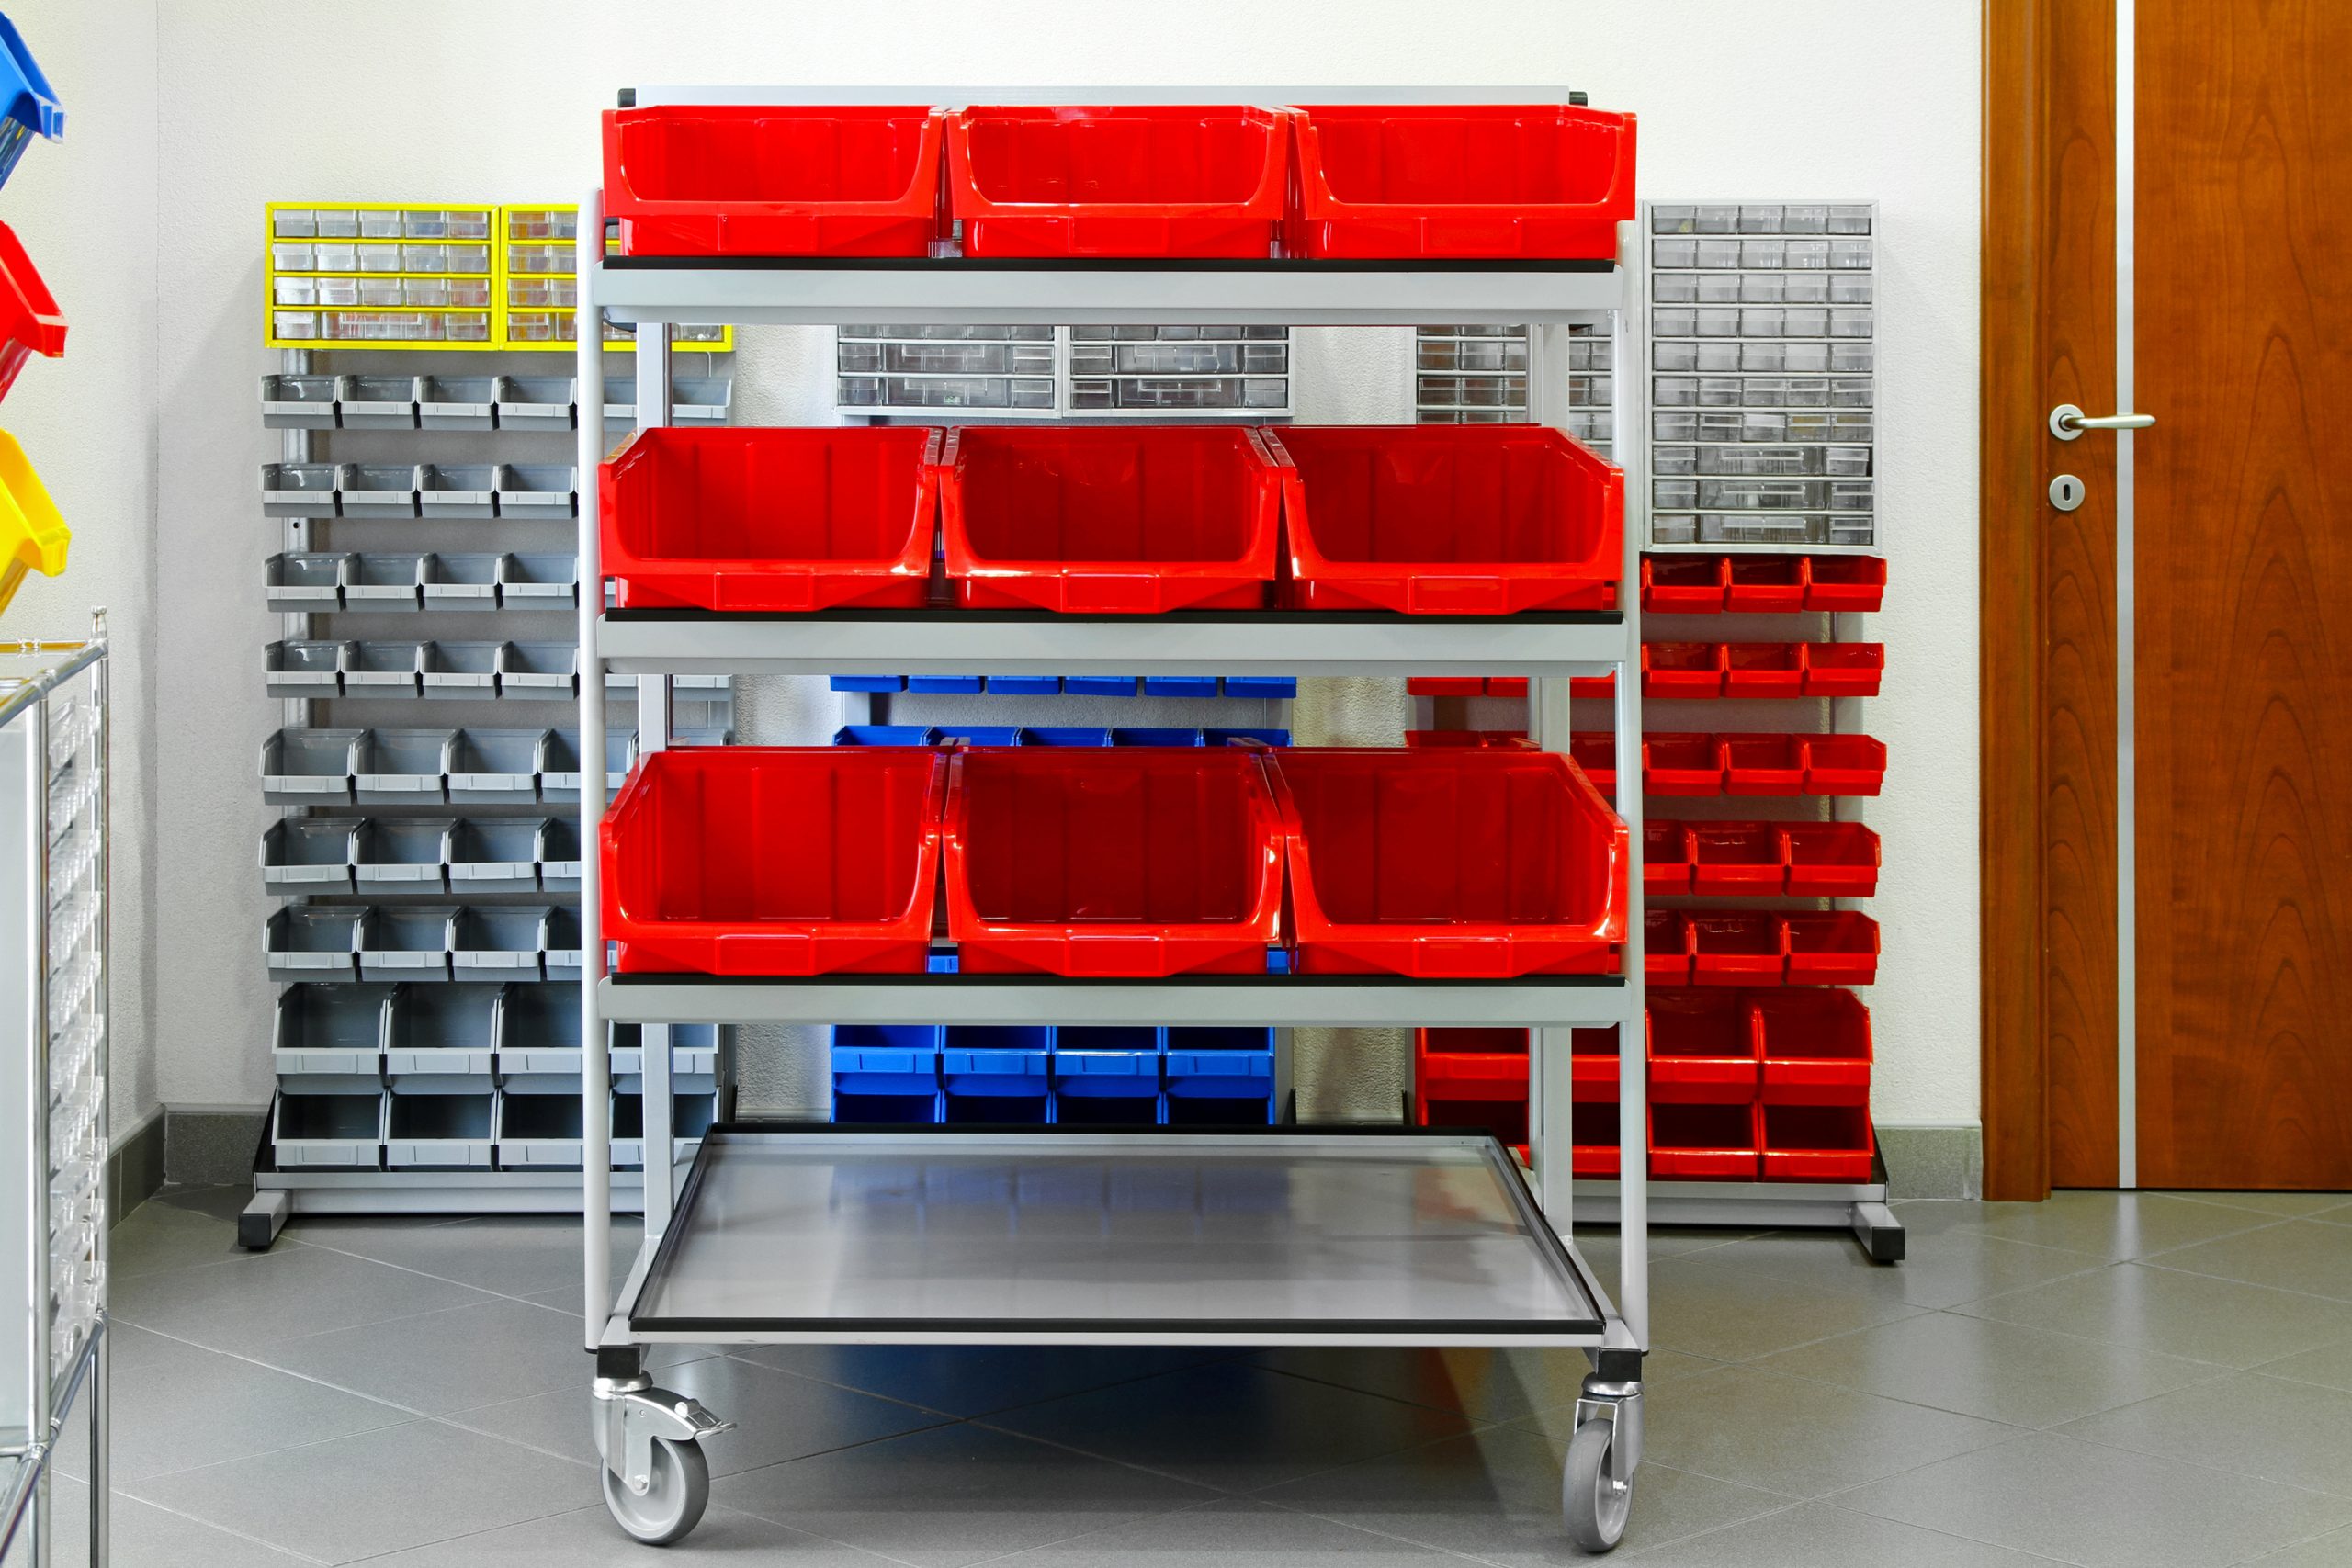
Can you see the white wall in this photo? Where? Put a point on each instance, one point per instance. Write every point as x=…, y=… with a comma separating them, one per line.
x=497, y=101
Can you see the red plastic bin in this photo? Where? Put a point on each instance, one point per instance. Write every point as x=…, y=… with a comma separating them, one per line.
x=1128, y=181
x=1738, y=859
x=769, y=180
x=1816, y=1143
x=1835, y=948
x=1127, y=520
x=1592, y=1066
x=1449, y=864
x=1666, y=857
x=1459, y=180
x=1844, y=669
x=1596, y=756
x=1844, y=582
x=1765, y=585
x=1467, y=740
x=31, y=322
x=1763, y=764
x=1469, y=1063
x=1702, y=1048
x=1684, y=584
x=1126, y=860
x=772, y=519
x=1666, y=948
x=1706, y=1143
x=1593, y=1134
x=1763, y=669
x=1683, y=669
x=758, y=859
x=1844, y=765
x=1448, y=519
x=1832, y=860
x=1816, y=1047
x=1682, y=765
x=1445, y=687
x=1736, y=949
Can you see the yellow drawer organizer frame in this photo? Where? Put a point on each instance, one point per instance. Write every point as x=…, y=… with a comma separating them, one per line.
x=430, y=276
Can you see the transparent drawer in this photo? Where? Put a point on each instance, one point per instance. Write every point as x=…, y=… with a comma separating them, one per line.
x=302, y=856
x=1805, y=217
x=295, y=292
x=1674, y=288
x=966, y=359
x=1673, y=391
x=540, y=223
x=377, y=258
x=1768, y=254
x=1201, y=392
x=461, y=670
x=1852, y=496
x=293, y=223
x=1765, y=218
x=444, y=293
x=1850, y=359
x=1474, y=391
x=401, y=856
x=1850, y=288
x=302, y=669
x=1846, y=255
x=1674, y=460
x=944, y=333
x=1846, y=462
x=1851, y=323
x=542, y=326
x=1845, y=425
x=1671, y=217
x=1762, y=495
x=1210, y=359
x=380, y=225
x=946, y=392
x=542, y=293
x=1747, y=460
x=297, y=326
x=539, y=258
x=304, y=581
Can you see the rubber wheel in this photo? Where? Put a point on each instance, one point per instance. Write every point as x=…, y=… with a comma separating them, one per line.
x=672, y=1504
x=1595, y=1503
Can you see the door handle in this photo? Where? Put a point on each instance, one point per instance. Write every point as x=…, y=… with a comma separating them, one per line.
x=2067, y=423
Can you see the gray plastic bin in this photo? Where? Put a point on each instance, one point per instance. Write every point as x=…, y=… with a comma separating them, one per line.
x=309, y=767
x=406, y=943
x=438, y=1132
x=383, y=669
x=312, y=944
x=456, y=403
x=539, y=1131
x=559, y=763
x=496, y=767
x=302, y=669
x=495, y=942
x=461, y=670
x=401, y=854
x=461, y=582
x=559, y=854
x=298, y=490
x=403, y=767
x=306, y=855
x=694, y=1057
x=376, y=489
x=378, y=403
x=297, y=402
x=329, y=1039
x=305, y=581
x=385, y=579
x=538, y=1039
x=495, y=856
x=702, y=399
x=537, y=490
x=541, y=670
x=343, y=1131
x=691, y=1117
x=439, y=1039
x=459, y=492
x=561, y=942
x=535, y=403
x=537, y=581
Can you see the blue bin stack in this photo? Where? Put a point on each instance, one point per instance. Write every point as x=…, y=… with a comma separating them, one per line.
x=1033, y=1075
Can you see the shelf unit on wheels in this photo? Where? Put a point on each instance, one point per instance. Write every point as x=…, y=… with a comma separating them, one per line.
x=1282, y=1236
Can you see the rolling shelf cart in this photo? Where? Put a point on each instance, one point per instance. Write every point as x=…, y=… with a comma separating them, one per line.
x=797, y=1235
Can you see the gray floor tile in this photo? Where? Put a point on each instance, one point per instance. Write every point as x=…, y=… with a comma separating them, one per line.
x=777, y=1416
x=1232, y=1425
x=2000, y=1372
x=2295, y=1433
x=567, y=1303
x=2330, y=1550
x=1945, y=1270
x=2273, y=1202
x=221, y=1201
x=589, y=1539
x=511, y=1255
x=2099, y=1506
x=378, y=1492
x=951, y=1495
x=1736, y=1315
x=1495, y=1494
x=2330, y=1366
x=1484, y=1384
x=140, y=1535
x=977, y=1379
x=2115, y=1226
x=177, y=1407
x=2300, y=1255
x=2197, y=1315
x=1795, y=1436
x=156, y=1236
x=1666, y=1241
x=1232, y=1532
x=290, y=1291
x=1816, y=1535
x=441, y=1361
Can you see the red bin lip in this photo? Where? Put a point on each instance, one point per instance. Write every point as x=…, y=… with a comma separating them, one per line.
x=639, y=496
x=1124, y=583
x=1320, y=224
x=1115, y=946
x=883, y=222
x=31, y=321
x=1447, y=482
x=1241, y=223
x=652, y=941
x=1436, y=946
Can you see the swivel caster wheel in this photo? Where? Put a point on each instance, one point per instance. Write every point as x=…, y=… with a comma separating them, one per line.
x=1594, y=1502
x=672, y=1504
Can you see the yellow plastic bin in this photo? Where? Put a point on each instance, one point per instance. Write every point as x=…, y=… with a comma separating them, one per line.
x=32, y=535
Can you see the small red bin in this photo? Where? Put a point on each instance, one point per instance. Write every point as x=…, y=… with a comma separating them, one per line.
x=1666, y=948
x=1459, y=181
x=1705, y=1143
x=1683, y=669
x=1765, y=585
x=1592, y=1150
x=768, y=180
x=1836, y=948
x=1737, y=950
x=1445, y=687
x=1592, y=1066
x=1128, y=181
x=1123, y=860
x=1467, y=740
x=1702, y=1048
x=1832, y=860
x=1844, y=669
x=1448, y=519
x=1844, y=582
x=1763, y=764
x=1449, y=863
x=1816, y=1047
x=1740, y=859
x=1132, y=519
x=1666, y=857
x=1682, y=765
x=1690, y=584
x=757, y=860
x=1844, y=765
x=1816, y=1143
x=771, y=519
x=1763, y=669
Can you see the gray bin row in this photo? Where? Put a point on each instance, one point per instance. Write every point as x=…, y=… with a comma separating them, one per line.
x=498, y=1129
x=522, y=1037
x=433, y=767
x=312, y=856
x=486, y=942
x=463, y=672
x=542, y=403
x=458, y=492
x=320, y=581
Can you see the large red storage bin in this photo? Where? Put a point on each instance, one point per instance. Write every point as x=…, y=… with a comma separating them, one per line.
x=1447, y=864
x=772, y=519
x=739, y=179
x=1448, y=519
x=1126, y=860
x=759, y=860
x=1132, y=519
x=1129, y=181
x=1459, y=180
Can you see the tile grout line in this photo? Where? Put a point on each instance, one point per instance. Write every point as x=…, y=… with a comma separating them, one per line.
x=208, y=1524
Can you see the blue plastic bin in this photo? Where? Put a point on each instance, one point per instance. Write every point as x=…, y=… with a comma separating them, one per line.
x=1277, y=688
x=885, y=735
x=1149, y=735
x=869, y=683
x=946, y=685
x=997, y=1072
x=31, y=107
x=1064, y=735
x=1214, y=737
x=1219, y=1076
x=1180, y=685
x=1099, y=686
x=1107, y=1077
x=1023, y=685
x=886, y=1073
x=982, y=734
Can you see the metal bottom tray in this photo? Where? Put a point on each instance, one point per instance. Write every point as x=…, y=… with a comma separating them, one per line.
x=958, y=1235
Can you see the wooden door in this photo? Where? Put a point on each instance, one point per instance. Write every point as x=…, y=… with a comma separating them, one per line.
x=2238, y=715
